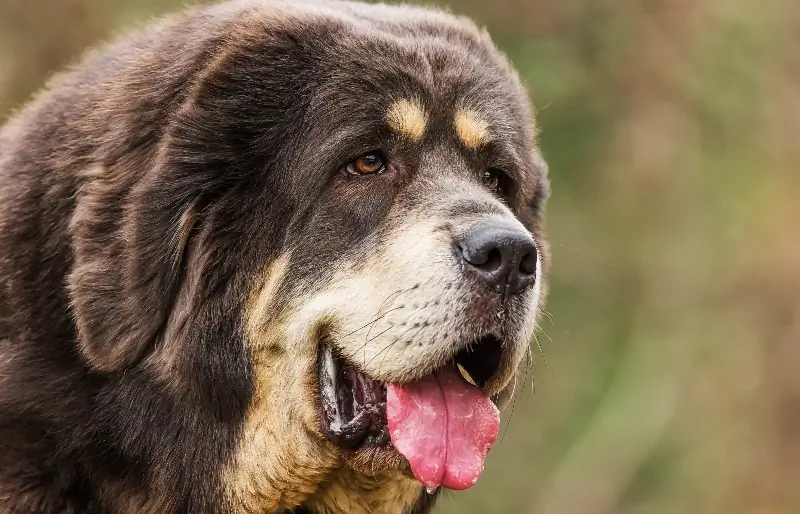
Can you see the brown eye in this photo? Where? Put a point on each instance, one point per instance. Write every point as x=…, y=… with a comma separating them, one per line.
x=367, y=164
x=493, y=179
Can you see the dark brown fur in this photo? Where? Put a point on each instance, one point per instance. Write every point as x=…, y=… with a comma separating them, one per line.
x=140, y=195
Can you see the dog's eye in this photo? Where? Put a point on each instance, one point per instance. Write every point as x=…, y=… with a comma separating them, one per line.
x=493, y=180
x=369, y=163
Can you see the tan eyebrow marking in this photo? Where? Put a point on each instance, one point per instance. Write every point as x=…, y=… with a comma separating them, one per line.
x=408, y=118
x=471, y=129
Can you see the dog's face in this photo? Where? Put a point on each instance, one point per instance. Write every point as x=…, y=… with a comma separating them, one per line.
x=420, y=248
x=355, y=199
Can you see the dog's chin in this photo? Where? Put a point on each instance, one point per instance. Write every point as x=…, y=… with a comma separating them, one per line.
x=353, y=407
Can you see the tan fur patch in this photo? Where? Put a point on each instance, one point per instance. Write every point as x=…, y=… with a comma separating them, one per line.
x=278, y=463
x=261, y=300
x=471, y=129
x=408, y=118
x=92, y=172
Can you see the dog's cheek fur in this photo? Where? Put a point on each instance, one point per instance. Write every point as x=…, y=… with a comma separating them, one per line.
x=279, y=462
x=282, y=459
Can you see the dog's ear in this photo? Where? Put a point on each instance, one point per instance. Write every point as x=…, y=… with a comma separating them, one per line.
x=135, y=215
x=184, y=131
x=128, y=266
x=136, y=208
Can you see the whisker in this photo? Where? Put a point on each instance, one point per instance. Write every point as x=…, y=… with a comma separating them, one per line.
x=371, y=322
x=408, y=318
x=514, y=398
x=363, y=346
x=389, y=346
x=532, y=366
x=395, y=294
x=410, y=341
x=366, y=342
x=544, y=359
x=545, y=334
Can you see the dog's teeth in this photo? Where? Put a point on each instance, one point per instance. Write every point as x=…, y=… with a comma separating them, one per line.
x=329, y=363
x=328, y=388
x=432, y=489
x=466, y=375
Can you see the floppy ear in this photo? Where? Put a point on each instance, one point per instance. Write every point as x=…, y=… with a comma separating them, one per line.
x=135, y=213
x=128, y=266
x=178, y=131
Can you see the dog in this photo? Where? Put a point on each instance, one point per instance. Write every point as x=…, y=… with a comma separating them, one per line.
x=267, y=256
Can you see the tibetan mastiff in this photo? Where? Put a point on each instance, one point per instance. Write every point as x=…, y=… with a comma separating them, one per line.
x=266, y=256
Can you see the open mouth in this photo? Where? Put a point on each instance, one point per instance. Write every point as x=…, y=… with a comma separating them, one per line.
x=443, y=424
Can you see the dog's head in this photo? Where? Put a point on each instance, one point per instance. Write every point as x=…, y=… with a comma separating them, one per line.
x=340, y=198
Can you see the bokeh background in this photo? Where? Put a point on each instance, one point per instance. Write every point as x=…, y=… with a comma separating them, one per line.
x=666, y=377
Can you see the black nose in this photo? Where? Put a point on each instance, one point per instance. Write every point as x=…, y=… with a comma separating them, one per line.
x=503, y=255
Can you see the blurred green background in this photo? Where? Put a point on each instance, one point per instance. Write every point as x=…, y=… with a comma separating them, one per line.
x=667, y=378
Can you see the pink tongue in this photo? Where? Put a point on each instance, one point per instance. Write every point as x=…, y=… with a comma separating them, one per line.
x=444, y=427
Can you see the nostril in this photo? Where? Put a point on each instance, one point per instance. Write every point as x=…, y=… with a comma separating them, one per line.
x=528, y=263
x=472, y=255
x=494, y=260
x=486, y=257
